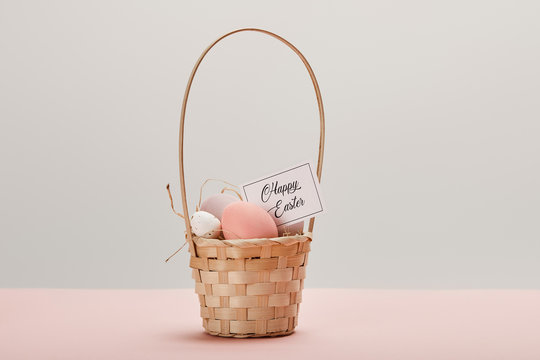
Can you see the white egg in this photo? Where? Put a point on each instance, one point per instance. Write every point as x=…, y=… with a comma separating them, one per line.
x=205, y=225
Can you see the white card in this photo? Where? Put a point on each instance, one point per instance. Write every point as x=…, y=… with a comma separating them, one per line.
x=290, y=196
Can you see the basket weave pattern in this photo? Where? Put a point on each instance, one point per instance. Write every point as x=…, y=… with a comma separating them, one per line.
x=250, y=288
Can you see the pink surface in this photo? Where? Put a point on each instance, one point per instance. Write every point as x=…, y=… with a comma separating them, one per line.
x=335, y=324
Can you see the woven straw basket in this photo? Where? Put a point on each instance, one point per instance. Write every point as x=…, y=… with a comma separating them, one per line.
x=253, y=287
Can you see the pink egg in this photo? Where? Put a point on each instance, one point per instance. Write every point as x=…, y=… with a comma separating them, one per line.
x=243, y=220
x=215, y=204
x=291, y=229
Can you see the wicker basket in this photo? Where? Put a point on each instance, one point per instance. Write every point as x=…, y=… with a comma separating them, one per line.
x=249, y=288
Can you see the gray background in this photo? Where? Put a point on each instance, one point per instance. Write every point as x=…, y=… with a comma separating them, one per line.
x=432, y=165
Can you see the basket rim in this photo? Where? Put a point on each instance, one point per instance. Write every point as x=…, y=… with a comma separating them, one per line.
x=244, y=243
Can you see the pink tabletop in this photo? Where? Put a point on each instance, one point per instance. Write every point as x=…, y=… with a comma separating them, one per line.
x=333, y=324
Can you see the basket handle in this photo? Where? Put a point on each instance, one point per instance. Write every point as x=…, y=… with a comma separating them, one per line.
x=183, y=115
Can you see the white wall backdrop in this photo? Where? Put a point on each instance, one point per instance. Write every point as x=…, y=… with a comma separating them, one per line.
x=432, y=169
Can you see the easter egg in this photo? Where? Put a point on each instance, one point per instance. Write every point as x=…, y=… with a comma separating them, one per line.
x=243, y=220
x=291, y=229
x=205, y=225
x=215, y=204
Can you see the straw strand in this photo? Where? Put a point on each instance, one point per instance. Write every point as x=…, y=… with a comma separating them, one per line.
x=172, y=204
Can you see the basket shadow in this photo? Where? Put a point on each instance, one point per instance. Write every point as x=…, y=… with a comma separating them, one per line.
x=203, y=337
